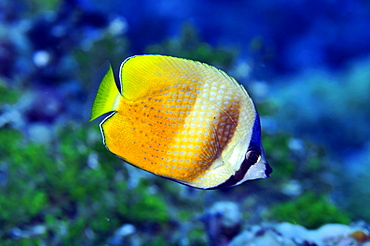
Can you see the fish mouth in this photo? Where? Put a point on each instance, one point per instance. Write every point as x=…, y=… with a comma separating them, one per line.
x=268, y=170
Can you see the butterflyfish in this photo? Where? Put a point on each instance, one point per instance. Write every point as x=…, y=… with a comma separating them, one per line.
x=183, y=120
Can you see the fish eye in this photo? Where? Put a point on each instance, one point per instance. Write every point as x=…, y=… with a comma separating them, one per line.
x=252, y=156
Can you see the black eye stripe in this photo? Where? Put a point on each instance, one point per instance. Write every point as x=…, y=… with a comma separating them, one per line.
x=239, y=175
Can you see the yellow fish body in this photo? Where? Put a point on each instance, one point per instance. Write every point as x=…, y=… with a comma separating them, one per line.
x=183, y=120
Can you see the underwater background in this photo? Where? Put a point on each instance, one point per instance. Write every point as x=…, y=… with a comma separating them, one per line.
x=306, y=64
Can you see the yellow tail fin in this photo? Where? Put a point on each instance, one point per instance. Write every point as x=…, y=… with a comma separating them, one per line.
x=106, y=99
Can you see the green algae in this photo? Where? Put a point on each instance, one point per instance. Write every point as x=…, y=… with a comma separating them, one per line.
x=309, y=210
x=8, y=95
x=54, y=185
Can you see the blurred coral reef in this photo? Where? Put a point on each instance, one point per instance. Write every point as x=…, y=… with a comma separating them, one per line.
x=306, y=64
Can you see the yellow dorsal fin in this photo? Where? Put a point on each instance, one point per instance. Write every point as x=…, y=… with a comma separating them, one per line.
x=143, y=74
x=106, y=99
